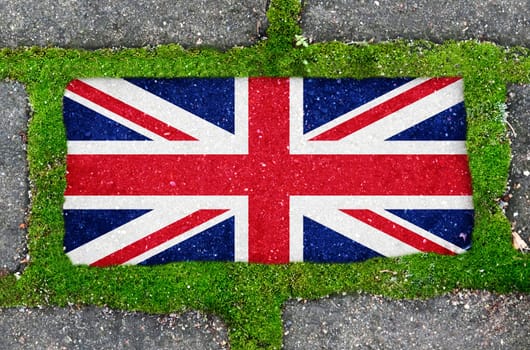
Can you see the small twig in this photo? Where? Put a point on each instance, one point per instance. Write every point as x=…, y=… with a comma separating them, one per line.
x=511, y=128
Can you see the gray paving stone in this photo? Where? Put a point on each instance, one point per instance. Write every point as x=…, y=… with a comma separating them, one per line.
x=13, y=175
x=102, y=328
x=518, y=210
x=506, y=22
x=131, y=23
x=463, y=320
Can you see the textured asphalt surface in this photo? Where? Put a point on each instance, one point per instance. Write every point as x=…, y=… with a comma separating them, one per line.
x=125, y=23
x=96, y=328
x=518, y=199
x=13, y=175
x=456, y=321
x=463, y=320
x=505, y=22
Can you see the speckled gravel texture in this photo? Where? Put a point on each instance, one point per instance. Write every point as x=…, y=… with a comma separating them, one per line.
x=13, y=176
x=103, y=328
x=116, y=23
x=505, y=22
x=462, y=320
x=518, y=196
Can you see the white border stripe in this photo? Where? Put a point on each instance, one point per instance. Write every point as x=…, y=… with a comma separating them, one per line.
x=358, y=146
x=383, y=202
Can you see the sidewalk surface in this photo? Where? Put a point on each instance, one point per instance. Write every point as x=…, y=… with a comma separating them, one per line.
x=459, y=320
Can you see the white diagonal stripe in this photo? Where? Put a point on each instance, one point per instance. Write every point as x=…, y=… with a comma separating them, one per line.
x=121, y=236
x=371, y=139
x=211, y=139
x=166, y=210
x=112, y=116
x=360, y=232
x=419, y=231
x=158, y=108
x=326, y=210
x=411, y=115
x=365, y=107
x=180, y=238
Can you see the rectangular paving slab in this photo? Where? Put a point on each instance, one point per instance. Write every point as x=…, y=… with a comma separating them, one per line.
x=462, y=320
x=505, y=22
x=518, y=209
x=111, y=23
x=103, y=328
x=13, y=175
x=265, y=170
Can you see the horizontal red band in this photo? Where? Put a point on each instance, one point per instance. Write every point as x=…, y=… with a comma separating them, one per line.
x=242, y=175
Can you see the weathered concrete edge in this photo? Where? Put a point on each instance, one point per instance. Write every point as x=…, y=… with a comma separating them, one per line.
x=104, y=328
x=516, y=201
x=122, y=23
x=503, y=23
x=460, y=319
x=14, y=183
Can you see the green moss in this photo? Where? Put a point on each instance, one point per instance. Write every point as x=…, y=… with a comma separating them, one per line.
x=249, y=297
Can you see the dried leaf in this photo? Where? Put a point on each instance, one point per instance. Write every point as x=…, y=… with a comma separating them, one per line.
x=519, y=243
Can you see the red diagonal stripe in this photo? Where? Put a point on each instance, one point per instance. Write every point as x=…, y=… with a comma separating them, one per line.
x=128, y=112
x=384, y=109
x=161, y=236
x=397, y=231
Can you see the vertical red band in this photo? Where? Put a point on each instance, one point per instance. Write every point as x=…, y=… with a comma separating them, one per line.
x=268, y=147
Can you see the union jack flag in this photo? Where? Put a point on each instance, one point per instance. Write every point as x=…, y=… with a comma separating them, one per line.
x=265, y=170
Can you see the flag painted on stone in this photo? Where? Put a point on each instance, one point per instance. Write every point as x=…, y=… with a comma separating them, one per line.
x=264, y=170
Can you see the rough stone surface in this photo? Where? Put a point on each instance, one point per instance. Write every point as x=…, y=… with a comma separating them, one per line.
x=464, y=320
x=13, y=175
x=506, y=22
x=111, y=23
x=518, y=210
x=96, y=328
